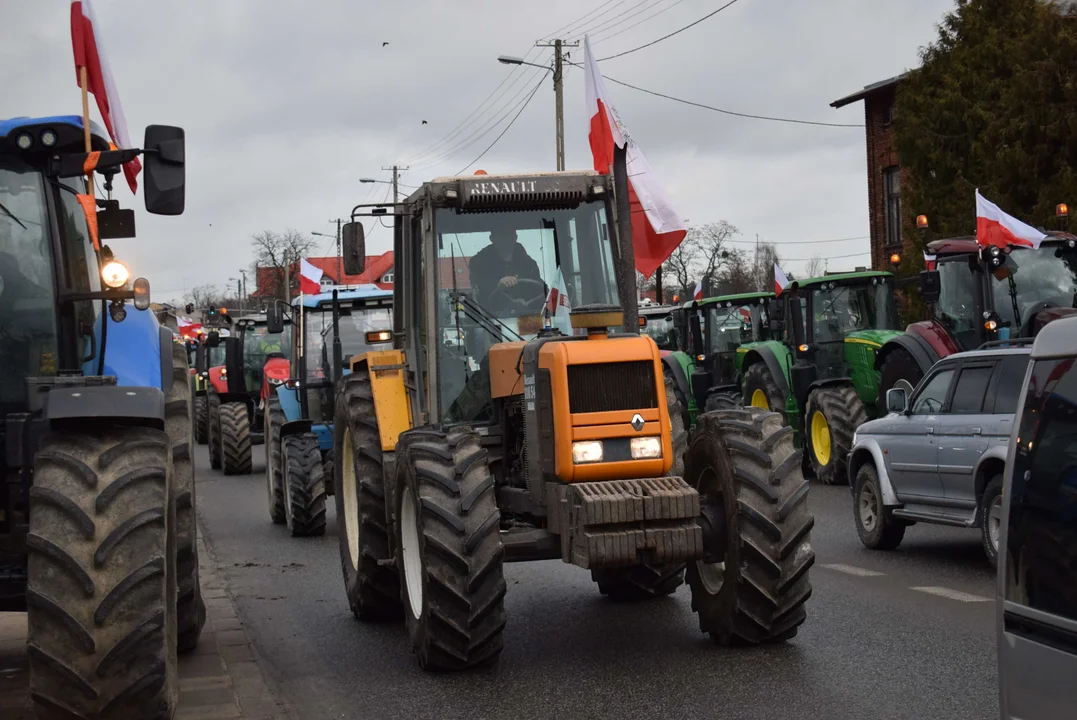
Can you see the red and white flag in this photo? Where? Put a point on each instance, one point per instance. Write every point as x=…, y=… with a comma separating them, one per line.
x=929, y=261
x=994, y=227
x=188, y=328
x=781, y=282
x=89, y=54
x=558, y=305
x=310, y=278
x=656, y=229
x=698, y=294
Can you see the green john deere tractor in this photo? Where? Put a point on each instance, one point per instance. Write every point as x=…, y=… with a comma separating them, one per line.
x=717, y=332
x=820, y=367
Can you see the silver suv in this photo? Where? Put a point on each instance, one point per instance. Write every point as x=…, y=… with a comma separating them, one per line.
x=1037, y=579
x=939, y=454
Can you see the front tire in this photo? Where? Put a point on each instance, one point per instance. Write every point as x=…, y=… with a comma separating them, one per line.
x=301, y=465
x=372, y=588
x=723, y=401
x=678, y=429
x=449, y=550
x=761, y=390
x=747, y=472
x=235, y=437
x=214, y=430
x=991, y=519
x=201, y=419
x=833, y=414
x=101, y=594
x=274, y=485
x=874, y=524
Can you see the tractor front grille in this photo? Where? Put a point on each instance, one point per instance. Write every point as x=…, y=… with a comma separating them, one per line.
x=610, y=387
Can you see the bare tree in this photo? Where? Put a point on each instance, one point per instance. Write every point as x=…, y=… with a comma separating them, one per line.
x=816, y=266
x=714, y=247
x=738, y=275
x=276, y=252
x=204, y=296
x=681, y=268
x=763, y=262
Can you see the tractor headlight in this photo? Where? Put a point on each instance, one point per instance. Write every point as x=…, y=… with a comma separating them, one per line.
x=115, y=274
x=48, y=138
x=24, y=141
x=644, y=448
x=224, y=374
x=587, y=451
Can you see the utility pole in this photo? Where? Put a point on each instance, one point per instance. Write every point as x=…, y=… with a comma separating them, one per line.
x=396, y=178
x=340, y=257
x=243, y=291
x=559, y=95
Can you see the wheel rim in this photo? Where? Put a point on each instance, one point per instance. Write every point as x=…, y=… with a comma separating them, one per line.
x=994, y=522
x=868, y=507
x=409, y=546
x=820, y=438
x=759, y=399
x=350, y=496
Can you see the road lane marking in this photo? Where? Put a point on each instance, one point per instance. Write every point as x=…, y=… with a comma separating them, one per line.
x=853, y=570
x=952, y=594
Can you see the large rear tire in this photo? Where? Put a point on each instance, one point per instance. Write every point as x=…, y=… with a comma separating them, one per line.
x=449, y=550
x=371, y=585
x=899, y=364
x=190, y=608
x=101, y=595
x=274, y=485
x=723, y=401
x=761, y=390
x=235, y=427
x=213, y=429
x=832, y=416
x=201, y=419
x=748, y=474
x=304, y=484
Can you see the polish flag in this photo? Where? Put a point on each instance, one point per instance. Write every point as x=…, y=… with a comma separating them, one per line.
x=929, y=261
x=781, y=282
x=558, y=305
x=188, y=328
x=89, y=54
x=698, y=294
x=310, y=278
x=994, y=227
x=656, y=229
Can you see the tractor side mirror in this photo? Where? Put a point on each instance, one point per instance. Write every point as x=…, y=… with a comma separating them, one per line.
x=274, y=319
x=897, y=401
x=213, y=339
x=165, y=176
x=353, y=239
x=930, y=285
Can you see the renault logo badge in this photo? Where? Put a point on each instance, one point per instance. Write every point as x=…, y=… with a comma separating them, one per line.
x=637, y=422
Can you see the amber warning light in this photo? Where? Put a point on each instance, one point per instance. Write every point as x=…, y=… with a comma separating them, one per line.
x=921, y=222
x=1062, y=210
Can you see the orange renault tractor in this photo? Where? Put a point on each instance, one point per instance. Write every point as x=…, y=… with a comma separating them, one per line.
x=494, y=432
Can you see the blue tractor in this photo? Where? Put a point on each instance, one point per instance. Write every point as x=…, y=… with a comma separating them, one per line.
x=97, y=526
x=331, y=327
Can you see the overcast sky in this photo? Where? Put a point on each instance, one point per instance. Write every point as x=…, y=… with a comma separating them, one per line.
x=287, y=104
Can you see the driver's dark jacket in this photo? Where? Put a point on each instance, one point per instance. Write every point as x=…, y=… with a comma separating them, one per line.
x=487, y=268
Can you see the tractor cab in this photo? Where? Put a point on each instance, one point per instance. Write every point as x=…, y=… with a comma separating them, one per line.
x=659, y=322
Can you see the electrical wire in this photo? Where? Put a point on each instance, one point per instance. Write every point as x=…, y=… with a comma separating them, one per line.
x=579, y=22
x=636, y=24
x=830, y=257
x=617, y=19
x=526, y=103
x=798, y=242
x=675, y=32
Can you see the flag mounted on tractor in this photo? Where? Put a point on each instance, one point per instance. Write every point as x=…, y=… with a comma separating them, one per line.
x=657, y=230
x=93, y=75
x=310, y=278
x=994, y=227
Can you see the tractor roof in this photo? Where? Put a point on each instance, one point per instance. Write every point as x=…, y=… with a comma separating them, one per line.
x=72, y=122
x=728, y=298
x=655, y=309
x=845, y=278
x=967, y=243
x=345, y=293
x=514, y=176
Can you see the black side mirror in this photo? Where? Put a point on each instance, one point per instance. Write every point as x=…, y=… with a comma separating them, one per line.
x=165, y=176
x=353, y=239
x=274, y=319
x=213, y=339
x=896, y=400
x=930, y=285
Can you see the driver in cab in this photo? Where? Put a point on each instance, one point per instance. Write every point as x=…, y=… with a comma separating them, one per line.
x=497, y=269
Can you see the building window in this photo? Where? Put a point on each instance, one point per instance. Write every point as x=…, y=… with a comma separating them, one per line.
x=387, y=277
x=888, y=113
x=892, y=207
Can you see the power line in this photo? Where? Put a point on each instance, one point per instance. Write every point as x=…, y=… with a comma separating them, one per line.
x=829, y=257
x=617, y=19
x=720, y=110
x=799, y=242
x=526, y=103
x=579, y=22
x=675, y=32
x=649, y=17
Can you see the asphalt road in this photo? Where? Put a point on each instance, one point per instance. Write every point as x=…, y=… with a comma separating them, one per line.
x=904, y=634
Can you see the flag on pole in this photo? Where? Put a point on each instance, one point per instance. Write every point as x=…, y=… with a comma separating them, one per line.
x=657, y=229
x=558, y=304
x=994, y=227
x=89, y=54
x=781, y=282
x=698, y=294
x=310, y=278
x=188, y=328
x=929, y=261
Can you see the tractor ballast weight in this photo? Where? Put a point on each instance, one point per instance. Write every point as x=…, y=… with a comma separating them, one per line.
x=495, y=432
x=97, y=497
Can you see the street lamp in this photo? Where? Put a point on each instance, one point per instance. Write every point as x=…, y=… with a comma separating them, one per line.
x=559, y=98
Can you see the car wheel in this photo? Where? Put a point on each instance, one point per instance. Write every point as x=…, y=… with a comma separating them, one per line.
x=991, y=519
x=874, y=523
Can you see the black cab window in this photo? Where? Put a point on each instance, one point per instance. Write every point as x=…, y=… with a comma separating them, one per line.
x=1041, y=544
x=1011, y=376
x=932, y=397
x=971, y=389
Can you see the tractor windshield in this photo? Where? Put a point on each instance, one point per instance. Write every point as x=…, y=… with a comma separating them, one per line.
x=838, y=310
x=1032, y=280
x=662, y=331
x=258, y=345
x=28, y=336
x=729, y=326
x=956, y=309
x=354, y=325
x=496, y=271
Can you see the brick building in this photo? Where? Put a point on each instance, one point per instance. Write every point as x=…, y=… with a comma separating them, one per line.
x=885, y=174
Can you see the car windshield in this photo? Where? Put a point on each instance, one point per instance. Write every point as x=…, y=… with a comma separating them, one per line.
x=660, y=328
x=1032, y=280
x=496, y=270
x=838, y=310
x=730, y=325
x=354, y=324
x=27, y=290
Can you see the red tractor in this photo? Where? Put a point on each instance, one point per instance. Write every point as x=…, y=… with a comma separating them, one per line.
x=981, y=295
